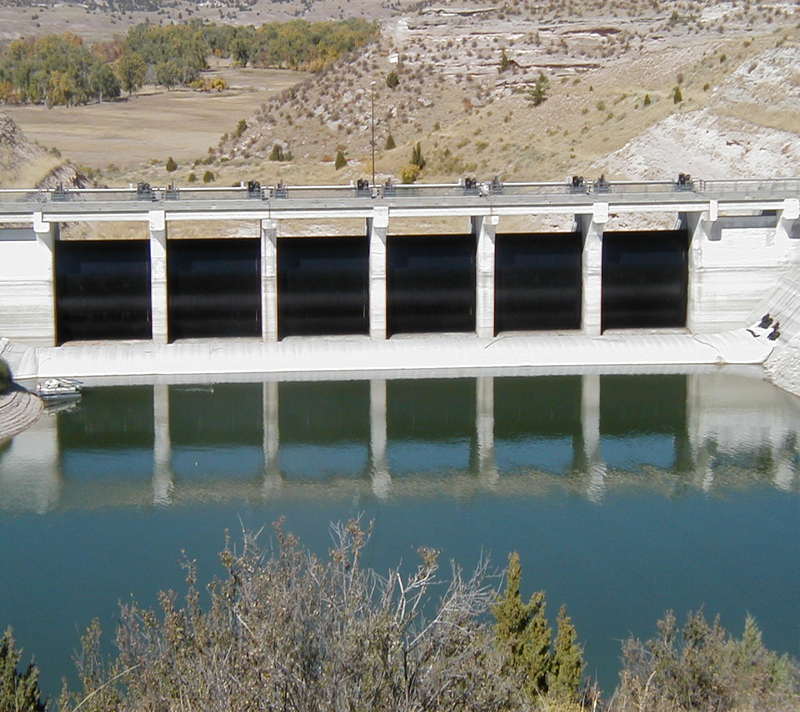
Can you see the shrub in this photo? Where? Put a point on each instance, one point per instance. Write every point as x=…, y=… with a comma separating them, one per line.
x=293, y=631
x=277, y=153
x=191, y=178
x=209, y=177
x=390, y=144
x=647, y=101
x=241, y=127
x=171, y=165
x=18, y=691
x=410, y=173
x=392, y=80
x=677, y=95
x=341, y=160
x=703, y=667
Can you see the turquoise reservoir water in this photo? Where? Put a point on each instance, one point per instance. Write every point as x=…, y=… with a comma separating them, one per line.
x=624, y=494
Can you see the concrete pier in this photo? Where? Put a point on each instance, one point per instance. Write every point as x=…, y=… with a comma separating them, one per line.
x=485, y=229
x=377, y=227
x=702, y=227
x=158, y=276
x=269, y=280
x=591, y=227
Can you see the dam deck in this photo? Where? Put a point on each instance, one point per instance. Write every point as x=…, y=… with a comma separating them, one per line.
x=308, y=202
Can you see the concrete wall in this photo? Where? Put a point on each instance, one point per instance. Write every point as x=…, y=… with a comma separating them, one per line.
x=730, y=276
x=27, y=311
x=734, y=265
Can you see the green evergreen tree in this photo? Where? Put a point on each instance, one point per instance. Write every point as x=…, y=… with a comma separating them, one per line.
x=564, y=680
x=522, y=631
x=536, y=655
x=505, y=62
x=417, y=158
x=537, y=95
x=390, y=144
x=19, y=692
x=341, y=160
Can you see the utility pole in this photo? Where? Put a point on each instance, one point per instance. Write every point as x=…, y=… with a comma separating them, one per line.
x=372, y=124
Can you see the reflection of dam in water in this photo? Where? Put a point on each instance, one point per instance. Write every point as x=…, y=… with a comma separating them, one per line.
x=163, y=444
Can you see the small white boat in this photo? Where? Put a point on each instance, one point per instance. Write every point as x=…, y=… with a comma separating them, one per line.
x=58, y=389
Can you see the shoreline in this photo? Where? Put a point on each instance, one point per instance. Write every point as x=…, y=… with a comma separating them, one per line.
x=19, y=409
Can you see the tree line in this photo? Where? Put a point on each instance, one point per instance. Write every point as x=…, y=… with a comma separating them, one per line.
x=283, y=629
x=63, y=70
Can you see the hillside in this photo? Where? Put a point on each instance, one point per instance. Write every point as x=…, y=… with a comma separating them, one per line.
x=634, y=90
x=612, y=77
x=26, y=164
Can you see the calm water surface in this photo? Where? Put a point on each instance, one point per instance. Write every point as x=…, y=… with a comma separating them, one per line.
x=625, y=495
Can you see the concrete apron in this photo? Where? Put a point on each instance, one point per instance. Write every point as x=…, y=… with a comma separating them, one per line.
x=399, y=353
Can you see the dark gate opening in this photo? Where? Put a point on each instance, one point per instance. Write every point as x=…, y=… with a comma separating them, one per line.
x=538, y=282
x=323, y=286
x=431, y=283
x=645, y=279
x=214, y=288
x=102, y=290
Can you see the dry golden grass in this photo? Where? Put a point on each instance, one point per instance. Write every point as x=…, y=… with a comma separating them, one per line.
x=30, y=172
x=154, y=124
x=763, y=116
x=117, y=230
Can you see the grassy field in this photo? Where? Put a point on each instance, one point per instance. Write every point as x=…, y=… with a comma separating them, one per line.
x=154, y=123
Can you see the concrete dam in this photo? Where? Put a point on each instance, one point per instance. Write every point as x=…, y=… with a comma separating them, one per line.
x=734, y=243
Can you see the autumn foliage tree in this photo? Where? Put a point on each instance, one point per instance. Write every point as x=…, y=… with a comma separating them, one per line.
x=131, y=71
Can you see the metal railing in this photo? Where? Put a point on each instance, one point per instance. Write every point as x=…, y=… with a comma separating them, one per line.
x=750, y=189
